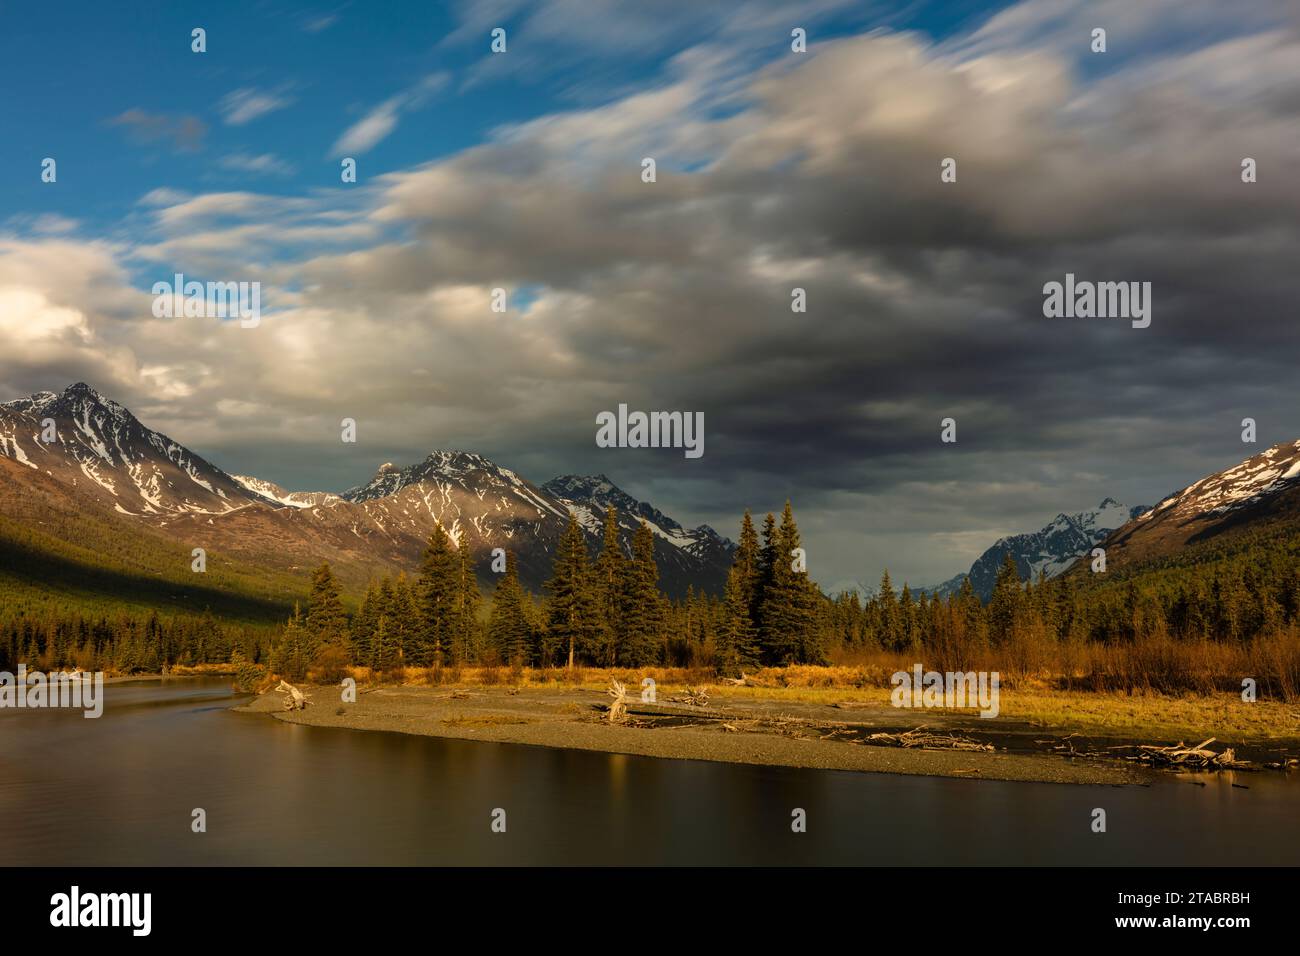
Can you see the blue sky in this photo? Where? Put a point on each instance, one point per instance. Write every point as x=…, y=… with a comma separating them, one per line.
x=76, y=73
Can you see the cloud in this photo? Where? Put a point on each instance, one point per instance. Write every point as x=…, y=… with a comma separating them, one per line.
x=185, y=133
x=245, y=105
x=320, y=23
x=376, y=125
x=264, y=163
x=821, y=172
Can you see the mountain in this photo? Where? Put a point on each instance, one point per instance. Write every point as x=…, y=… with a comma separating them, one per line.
x=698, y=556
x=102, y=458
x=101, y=448
x=1050, y=550
x=1263, y=491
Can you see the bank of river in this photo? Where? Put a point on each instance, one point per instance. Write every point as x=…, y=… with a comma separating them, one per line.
x=755, y=731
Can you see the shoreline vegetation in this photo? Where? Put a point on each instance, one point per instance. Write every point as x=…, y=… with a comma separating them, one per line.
x=807, y=717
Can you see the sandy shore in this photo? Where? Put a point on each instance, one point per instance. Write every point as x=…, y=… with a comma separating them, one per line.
x=775, y=733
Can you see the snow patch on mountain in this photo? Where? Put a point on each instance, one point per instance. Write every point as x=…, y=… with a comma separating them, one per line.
x=1247, y=483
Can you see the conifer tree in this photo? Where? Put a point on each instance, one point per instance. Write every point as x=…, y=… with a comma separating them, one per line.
x=508, y=624
x=747, y=561
x=642, y=605
x=326, y=620
x=1005, y=603
x=886, y=607
x=736, y=644
x=786, y=631
x=383, y=648
x=765, y=568
x=465, y=637
x=402, y=612
x=572, y=624
x=609, y=571
x=294, y=650
x=364, y=623
x=437, y=592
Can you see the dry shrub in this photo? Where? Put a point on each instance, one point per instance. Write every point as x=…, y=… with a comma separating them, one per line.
x=330, y=665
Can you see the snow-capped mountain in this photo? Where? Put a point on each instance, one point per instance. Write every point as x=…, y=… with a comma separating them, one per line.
x=1050, y=550
x=679, y=551
x=83, y=439
x=100, y=451
x=1261, y=489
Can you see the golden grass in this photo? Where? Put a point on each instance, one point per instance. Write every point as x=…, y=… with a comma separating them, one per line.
x=1147, y=715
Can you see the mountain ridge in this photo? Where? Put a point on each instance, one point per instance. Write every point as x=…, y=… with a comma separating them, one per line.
x=1051, y=550
x=102, y=450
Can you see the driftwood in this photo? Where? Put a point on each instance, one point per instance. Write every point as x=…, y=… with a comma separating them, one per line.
x=618, y=708
x=695, y=696
x=1182, y=757
x=923, y=738
x=294, y=699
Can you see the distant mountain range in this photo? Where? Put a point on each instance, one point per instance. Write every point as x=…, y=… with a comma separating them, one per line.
x=109, y=494
x=1258, y=492
x=103, y=459
x=1049, y=551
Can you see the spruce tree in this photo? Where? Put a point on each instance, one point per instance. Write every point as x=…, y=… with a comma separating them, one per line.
x=572, y=623
x=465, y=637
x=787, y=632
x=765, y=568
x=609, y=570
x=383, y=651
x=736, y=645
x=508, y=625
x=886, y=614
x=642, y=604
x=364, y=623
x=327, y=622
x=436, y=592
x=1005, y=603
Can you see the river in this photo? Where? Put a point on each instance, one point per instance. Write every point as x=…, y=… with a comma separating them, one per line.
x=121, y=790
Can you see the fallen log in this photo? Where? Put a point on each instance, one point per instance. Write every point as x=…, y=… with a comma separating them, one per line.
x=1179, y=756
x=294, y=699
x=923, y=738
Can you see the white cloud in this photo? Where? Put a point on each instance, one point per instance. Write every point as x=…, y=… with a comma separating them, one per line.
x=376, y=125
x=264, y=163
x=246, y=104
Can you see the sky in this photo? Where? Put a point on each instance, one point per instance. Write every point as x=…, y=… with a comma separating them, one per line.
x=775, y=170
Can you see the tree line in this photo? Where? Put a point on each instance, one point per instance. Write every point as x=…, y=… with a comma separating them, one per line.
x=603, y=607
x=604, y=610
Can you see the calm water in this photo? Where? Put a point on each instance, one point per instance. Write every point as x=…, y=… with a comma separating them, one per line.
x=120, y=790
